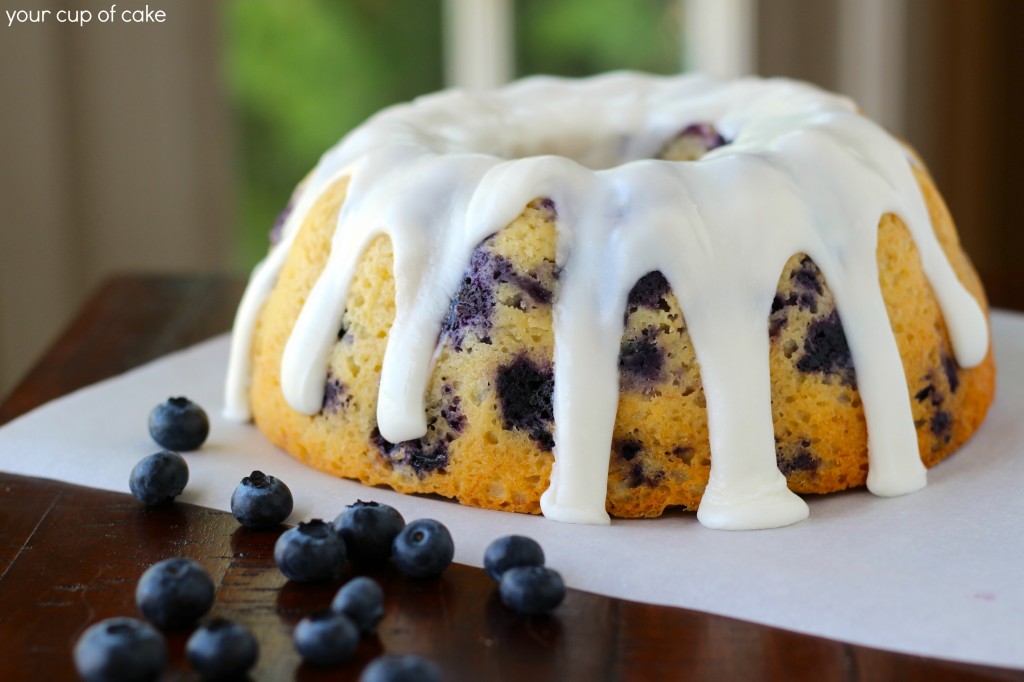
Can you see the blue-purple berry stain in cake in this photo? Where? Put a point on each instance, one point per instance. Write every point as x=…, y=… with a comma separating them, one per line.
x=825, y=350
x=472, y=308
x=451, y=410
x=692, y=142
x=629, y=449
x=806, y=286
x=637, y=469
x=336, y=396
x=650, y=291
x=794, y=457
x=429, y=454
x=525, y=389
x=951, y=369
x=421, y=455
x=941, y=425
x=640, y=361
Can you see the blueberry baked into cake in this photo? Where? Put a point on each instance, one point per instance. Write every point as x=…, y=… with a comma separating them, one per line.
x=618, y=295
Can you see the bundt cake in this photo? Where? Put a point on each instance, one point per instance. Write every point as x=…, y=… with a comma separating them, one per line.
x=617, y=295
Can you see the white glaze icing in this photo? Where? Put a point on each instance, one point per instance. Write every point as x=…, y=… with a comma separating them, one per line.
x=803, y=173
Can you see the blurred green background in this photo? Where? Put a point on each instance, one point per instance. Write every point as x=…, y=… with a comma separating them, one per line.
x=302, y=73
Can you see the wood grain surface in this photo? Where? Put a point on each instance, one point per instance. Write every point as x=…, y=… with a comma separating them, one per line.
x=70, y=556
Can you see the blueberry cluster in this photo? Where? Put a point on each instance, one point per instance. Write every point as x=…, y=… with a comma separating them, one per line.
x=176, y=593
x=525, y=585
x=368, y=534
x=172, y=595
x=330, y=638
x=177, y=425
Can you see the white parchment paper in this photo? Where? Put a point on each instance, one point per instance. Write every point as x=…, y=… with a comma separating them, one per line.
x=938, y=573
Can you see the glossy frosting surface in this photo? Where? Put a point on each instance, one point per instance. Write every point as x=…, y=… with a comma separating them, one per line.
x=803, y=173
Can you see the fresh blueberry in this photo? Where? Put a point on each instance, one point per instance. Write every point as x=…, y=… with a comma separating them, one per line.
x=326, y=638
x=312, y=552
x=222, y=650
x=423, y=549
x=532, y=589
x=261, y=501
x=120, y=650
x=179, y=424
x=510, y=551
x=174, y=593
x=362, y=600
x=158, y=478
x=400, y=668
x=368, y=529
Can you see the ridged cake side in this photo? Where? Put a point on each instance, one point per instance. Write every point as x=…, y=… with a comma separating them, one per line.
x=489, y=400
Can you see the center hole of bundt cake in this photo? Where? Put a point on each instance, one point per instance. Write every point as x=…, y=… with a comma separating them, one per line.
x=602, y=152
x=692, y=142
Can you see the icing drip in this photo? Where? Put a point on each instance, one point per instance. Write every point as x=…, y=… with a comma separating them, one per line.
x=802, y=173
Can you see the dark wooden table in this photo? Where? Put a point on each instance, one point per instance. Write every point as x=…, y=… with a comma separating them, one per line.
x=70, y=556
